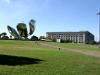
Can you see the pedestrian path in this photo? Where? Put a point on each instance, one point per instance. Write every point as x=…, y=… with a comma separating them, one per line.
x=71, y=50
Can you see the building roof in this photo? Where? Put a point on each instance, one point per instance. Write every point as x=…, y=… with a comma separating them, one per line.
x=71, y=32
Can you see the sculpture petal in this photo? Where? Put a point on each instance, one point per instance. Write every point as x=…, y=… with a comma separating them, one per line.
x=13, y=32
x=32, y=26
x=22, y=29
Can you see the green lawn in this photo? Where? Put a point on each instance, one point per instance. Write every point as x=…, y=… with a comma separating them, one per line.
x=26, y=58
x=74, y=46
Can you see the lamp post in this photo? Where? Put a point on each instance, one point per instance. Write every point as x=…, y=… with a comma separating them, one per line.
x=99, y=25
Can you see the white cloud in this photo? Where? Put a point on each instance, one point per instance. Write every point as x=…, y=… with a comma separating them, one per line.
x=8, y=1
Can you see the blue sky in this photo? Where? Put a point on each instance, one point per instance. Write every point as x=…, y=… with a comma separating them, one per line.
x=51, y=15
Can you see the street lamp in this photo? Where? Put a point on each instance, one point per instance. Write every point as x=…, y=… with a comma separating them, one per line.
x=99, y=25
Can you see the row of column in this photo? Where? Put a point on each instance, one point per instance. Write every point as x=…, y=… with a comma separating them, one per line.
x=78, y=39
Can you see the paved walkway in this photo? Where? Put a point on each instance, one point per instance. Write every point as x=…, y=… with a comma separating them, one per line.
x=70, y=50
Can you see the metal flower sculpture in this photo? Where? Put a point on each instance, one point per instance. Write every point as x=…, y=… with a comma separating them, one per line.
x=22, y=30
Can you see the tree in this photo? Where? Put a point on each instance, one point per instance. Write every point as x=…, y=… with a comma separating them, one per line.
x=5, y=37
x=42, y=37
x=0, y=36
x=48, y=38
x=92, y=42
x=34, y=38
x=3, y=34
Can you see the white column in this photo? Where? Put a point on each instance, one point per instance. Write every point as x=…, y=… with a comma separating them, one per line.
x=83, y=38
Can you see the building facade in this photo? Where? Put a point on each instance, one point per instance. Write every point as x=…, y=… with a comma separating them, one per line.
x=75, y=37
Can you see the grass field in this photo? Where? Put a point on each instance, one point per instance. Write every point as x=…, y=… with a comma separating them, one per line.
x=26, y=58
x=75, y=46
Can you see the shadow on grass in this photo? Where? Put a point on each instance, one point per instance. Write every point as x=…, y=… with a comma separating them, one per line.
x=16, y=60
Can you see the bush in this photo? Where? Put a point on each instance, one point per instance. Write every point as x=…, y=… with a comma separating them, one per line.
x=92, y=42
x=99, y=42
x=62, y=41
x=86, y=42
x=67, y=41
x=54, y=40
x=34, y=38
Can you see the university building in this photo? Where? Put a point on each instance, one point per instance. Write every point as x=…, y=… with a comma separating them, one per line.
x=75, y=37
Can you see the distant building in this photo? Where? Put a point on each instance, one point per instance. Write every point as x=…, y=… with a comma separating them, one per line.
x=75, y=37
